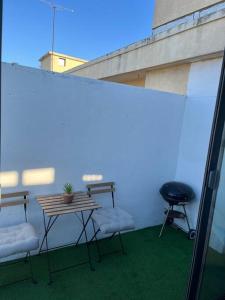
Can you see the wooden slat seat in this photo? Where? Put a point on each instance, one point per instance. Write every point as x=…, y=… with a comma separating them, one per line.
x=101, y=188
x=101, y=184
x=14, y=195
x=12, y=199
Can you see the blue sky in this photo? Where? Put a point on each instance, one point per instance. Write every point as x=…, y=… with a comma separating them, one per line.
x=94, y=29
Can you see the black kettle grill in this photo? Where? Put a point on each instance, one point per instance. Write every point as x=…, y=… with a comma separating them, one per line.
x=177, y=194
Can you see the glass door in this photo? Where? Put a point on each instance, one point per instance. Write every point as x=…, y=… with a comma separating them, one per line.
x=213, y=279
x=207, y=276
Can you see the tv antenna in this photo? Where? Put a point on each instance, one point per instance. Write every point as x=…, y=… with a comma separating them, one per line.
x=55, y=7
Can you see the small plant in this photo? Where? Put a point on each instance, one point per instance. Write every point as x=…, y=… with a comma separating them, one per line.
x=68, y=196
x=68, y=188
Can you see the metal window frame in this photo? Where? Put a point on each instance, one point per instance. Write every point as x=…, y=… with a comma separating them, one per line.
x=1, y=13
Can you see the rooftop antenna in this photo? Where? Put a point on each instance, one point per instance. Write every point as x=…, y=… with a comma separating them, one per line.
x=54, y=7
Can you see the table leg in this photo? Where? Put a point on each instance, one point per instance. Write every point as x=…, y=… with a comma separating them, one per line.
x=87, y=243
x=84, y=226
x=46, y=241
x=96, y=240
x=49, y=226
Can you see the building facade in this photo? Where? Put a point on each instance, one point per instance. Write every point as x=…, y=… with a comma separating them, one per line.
x=58, y=62
x=184, y=32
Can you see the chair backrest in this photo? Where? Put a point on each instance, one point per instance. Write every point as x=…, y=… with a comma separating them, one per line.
x=101, y=188
x=14, y=199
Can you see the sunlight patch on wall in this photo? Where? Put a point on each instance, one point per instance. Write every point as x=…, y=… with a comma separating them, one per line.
x=9, y=179
x=38, y=176
x=92, y=177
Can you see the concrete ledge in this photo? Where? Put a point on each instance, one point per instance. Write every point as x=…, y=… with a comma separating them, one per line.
x=170, y=10
x=171, y=47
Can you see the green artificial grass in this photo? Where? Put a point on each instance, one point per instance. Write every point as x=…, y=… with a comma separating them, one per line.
x=153, y=268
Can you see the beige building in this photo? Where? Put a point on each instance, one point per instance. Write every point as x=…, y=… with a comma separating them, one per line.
x=58, y=62
x=184, y=32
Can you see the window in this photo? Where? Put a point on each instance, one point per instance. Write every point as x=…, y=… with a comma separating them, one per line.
x=61, y=62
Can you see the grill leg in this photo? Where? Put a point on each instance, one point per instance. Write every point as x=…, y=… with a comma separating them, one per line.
x=163, y=226
x=186, y=217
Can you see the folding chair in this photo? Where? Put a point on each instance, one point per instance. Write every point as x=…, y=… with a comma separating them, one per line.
x=19, y=238
x=111, y=220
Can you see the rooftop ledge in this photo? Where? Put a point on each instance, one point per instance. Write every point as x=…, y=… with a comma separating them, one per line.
x=61, y=55
x=205, y=19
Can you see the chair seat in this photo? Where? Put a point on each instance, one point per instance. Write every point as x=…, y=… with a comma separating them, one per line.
x=17, y=239
x=111, y=220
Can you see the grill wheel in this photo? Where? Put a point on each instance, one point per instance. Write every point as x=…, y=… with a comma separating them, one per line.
x=192, y=234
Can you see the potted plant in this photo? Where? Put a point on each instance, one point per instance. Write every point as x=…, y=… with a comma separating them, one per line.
x=68, y=196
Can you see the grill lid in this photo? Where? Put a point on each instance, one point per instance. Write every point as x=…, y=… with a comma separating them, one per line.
x=177, y=191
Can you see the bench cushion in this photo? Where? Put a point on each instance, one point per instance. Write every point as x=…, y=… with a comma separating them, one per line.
x=17, y=239
x=112, y=220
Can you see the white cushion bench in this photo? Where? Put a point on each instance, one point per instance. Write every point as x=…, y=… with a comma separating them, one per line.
x=110, y=220
x=17, y=238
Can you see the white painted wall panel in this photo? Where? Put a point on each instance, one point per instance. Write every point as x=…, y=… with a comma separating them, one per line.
x=198, y=117
x=82, y=126
x=204, y=78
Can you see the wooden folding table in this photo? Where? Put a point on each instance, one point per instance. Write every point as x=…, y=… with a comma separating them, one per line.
x=53, y=207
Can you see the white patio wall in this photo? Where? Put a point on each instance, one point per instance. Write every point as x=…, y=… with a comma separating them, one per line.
x=81, y=126
x=197, y=123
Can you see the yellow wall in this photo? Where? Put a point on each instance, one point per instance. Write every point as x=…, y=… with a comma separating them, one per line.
x=138, y=82
x=70, y=62
x=168, y=10
x=172, y=79
x=46, y=63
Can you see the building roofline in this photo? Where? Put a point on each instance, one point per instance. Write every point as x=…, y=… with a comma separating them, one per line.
x=152, y=39
x=63, y=55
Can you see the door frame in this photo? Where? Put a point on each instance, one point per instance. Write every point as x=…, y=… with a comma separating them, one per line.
x=1, y=23
x=209, y=190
